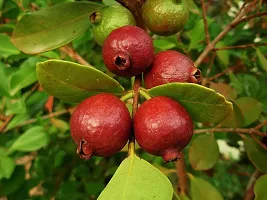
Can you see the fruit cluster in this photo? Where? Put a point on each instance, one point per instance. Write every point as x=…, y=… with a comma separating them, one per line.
x=101, y=124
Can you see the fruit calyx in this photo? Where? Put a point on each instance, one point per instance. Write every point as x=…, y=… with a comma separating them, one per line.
x=195, y=76
x=122, y=61
x=95, y=17
x=170, y=155
x=84, y=151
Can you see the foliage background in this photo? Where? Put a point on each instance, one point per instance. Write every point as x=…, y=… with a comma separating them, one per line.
x=47, y=167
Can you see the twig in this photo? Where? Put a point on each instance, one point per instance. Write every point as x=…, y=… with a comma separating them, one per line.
x=248, y=18
x=74, y=55
x=259, y=142
x=250, y=131
x=259, y=126
x=136, y=88
x=204, y=16
x=225, y=71
x=182, y=187
x=241, y=46
x=48, y=116
x=249, y=195
x=206, y=80
x=135, y=8
x=230, y=26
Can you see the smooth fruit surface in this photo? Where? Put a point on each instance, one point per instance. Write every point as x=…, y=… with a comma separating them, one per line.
x=108, y=19
x=163, y=127
x=171, y=66
x=165, y=17
x=128, y=51
x=100, y=126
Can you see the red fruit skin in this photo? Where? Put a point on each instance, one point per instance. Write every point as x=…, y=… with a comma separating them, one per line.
x=128, y=51
x=163, y=127
x=171, y=66
x=100, y=126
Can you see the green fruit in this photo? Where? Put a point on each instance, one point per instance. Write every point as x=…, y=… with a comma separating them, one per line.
x=108, y=19
x=165, y=17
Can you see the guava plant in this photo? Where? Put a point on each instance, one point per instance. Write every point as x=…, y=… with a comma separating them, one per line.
x=167, y=98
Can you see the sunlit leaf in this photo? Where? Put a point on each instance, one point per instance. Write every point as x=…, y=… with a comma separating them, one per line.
x=203, y=104
x=137, y=179
x=7, y=166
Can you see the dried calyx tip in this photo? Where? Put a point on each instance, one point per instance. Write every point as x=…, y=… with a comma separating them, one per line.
x=171, y=155
x=84, y=151
x=95, y=17
x=196, y=76
x=122, y=62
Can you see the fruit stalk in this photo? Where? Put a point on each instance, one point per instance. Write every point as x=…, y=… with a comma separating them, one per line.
x=136, y=88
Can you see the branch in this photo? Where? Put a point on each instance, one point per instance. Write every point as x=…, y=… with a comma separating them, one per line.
x=249, y=195
x=248, y=18
x=250, y=131
x=182, y=187
x=74, y=55
x=230, y=26
x=241, y=46
x=48, y=116
x=204, y=16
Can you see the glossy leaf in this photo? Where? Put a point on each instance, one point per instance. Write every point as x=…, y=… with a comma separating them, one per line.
x=6, y=47
x=200, y=157
x=73, y=82
x=53, y=27
x=224, y=89
x=251, y=85
x=24, y=76
x=260, y=188
x=256, y=153
x=4, y=86
x=203, y=104
x=7, y=166
x=262, y=59
x=250, y=108
x=137, y=179
x=223, y=55
x=32, y=140
x=203, y=190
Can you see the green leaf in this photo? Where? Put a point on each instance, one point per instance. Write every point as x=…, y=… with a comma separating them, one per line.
x=6, y=47
x=32, y=140
x=203, y=104
x=163, y=44
x=137, y=179
x=53, y=27
x=260, y=188
x=256, y=153
x=25, y=76
x=203, y=190
x=4, y=86
x=15, y=106
x=224, y=89
x=196, y=35
x=235, y=119
x=184, y=197
x=7, y=166
x=200, y=158
x=223, y=55
x=73, y=82
x=251, y=85
x=250, y=108
x=263, y=61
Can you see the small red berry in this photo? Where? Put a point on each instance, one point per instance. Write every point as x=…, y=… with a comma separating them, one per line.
x=163, y=127
x=100, y=126
x=128, y=51
x=171, y=66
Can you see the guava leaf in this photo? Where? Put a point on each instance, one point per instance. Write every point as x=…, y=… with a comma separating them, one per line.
x=256, y=154
x=200, y=158
x=260, y=188
x=6, y=47
x=7, y=166
x=73, y=82
x=53, y=27
x=203, y=190
x=136, y=179
x=203, y=104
